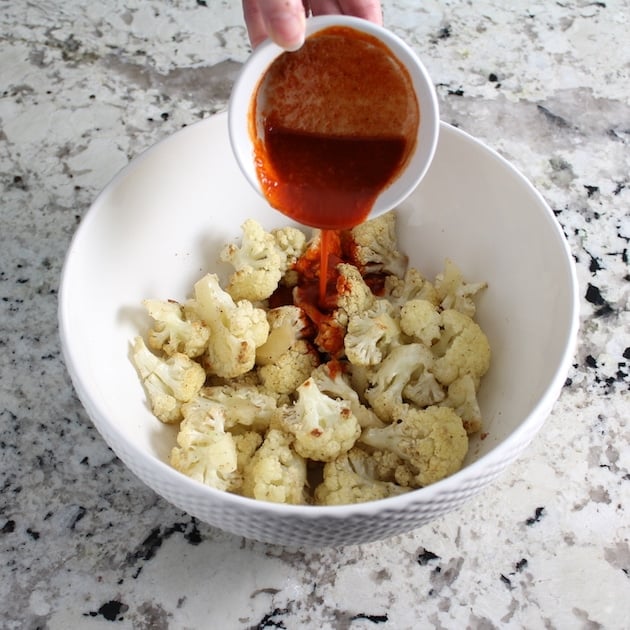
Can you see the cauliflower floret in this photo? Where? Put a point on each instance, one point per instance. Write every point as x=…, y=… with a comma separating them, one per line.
x=287, y=325
x=360, y=376
x=414, y=286
x=423, y=390
x=207, y=452
x=332, y=382
x=393, y=375
x=353, y=295
x=276, y=472
x=323, y=427
x=168, y=382
x=172, y=332
x=462, y=398
x=352, y=478
x=454, y=292
x=420, y=447
x=375, y=246
x=236, y=329
x=249, y=379
x=420, y=320
x=331, y=330
x=246, y=444
x=258, y=262
x=462, y=348
x=292, y=243
x=243, y=405
x=371, y=334
x=290, y=369
x=286, y=359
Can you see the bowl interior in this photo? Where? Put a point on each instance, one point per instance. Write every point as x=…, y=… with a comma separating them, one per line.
x=160, y=223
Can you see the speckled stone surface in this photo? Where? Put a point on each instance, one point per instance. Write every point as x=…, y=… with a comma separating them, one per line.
x=85, y=87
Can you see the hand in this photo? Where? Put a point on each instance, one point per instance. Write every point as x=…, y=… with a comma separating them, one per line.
x=284, y=20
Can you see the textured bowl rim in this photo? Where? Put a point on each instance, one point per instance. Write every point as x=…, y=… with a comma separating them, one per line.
x=136, y=459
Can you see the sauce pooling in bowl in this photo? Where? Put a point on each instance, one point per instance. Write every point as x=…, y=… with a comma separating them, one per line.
x=333, y=123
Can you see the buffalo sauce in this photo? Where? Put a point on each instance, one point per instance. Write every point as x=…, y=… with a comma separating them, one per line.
x=333, y=124
x=329, y=181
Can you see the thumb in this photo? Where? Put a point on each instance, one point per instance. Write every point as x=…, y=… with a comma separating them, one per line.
x=285, y=22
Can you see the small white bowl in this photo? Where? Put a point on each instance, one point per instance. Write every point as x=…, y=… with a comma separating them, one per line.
x=254, y=69
x=158, y=227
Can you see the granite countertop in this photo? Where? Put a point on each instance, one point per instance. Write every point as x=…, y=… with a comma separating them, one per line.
x=83, y=544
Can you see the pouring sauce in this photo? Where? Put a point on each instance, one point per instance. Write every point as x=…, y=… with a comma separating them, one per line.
x=333, y=124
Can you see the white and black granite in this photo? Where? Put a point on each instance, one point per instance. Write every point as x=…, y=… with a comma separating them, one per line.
x=85, y=87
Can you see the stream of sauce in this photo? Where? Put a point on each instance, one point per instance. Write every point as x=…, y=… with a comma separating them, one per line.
x=333, y=123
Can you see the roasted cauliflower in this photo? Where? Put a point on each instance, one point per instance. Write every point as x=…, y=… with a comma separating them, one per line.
x=323, y=427
x=276, y=472
x=353, y=478
x=413, y=286
x=462, y=348
x=393, y=375
x=372, y=333
x=207, y=452
x=420, y=320
x=257, y=263
x=169, y=382
x=173, y=332
x=419, y=447
x=286, y=359
x=454, y=292
x=331, y=381
x=237, y=329
x=375, y=247
x=295, y=388
x=245, y=405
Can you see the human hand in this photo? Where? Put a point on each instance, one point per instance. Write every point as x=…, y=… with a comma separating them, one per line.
x=284, y=21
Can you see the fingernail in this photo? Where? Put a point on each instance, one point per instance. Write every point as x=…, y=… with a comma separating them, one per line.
x=287, y=29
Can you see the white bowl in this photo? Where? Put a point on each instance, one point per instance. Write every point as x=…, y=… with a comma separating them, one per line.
x=157, y=228
x=427, y=136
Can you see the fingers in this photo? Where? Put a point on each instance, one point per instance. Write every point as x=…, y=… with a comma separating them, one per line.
x=254, y=21
x=367, y=9
x=283, y=21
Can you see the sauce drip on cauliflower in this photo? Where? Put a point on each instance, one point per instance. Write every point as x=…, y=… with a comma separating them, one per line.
x=286, y=393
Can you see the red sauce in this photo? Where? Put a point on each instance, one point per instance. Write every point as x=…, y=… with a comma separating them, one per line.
x=326, y=246
x=319, y=285
x=282, y=296
x=335, y=368
x=333, y=125
x=329, y=182
x=376, y=282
